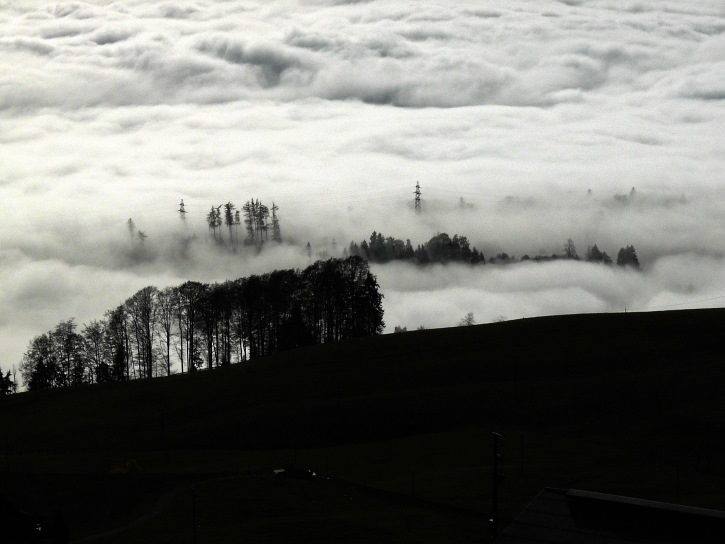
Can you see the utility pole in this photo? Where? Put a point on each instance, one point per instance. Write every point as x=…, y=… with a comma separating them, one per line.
x=193, y=514
x=496, y=480
x=417, y=197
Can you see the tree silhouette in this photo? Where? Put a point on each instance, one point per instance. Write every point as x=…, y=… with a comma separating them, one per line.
x=229, y=220
x=214, y=325
x=93, y=354
x=467, y=320
x=276, y=232
x=594, y=254
x=214, y=220
x=191, y=295
x=142, y=310
x=68, y=345
x=117, y=344
x=39, y=366
x=441, y=248
x=570, y=250
x=249, y=209
x=627, y=256
x=7, y=385
x=261, y=222
x=166, y=303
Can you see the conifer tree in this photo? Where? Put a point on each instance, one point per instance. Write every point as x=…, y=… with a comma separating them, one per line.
x=628, y=257
x=250, y=213
x=229, y=218
x=261, y=221
x=214, y=220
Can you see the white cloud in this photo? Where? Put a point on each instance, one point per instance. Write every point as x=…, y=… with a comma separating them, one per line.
x=334, y=110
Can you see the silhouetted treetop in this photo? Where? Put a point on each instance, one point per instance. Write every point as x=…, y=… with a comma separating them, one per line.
x=627, y=256
x=210, y=325
x=596, y=256
x=441, y=248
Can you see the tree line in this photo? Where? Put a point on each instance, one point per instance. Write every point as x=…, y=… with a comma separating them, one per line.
x=258, y=220
x=441, y=248
x=198, y=325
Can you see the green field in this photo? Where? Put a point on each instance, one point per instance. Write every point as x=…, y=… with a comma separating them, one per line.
x=401, y=424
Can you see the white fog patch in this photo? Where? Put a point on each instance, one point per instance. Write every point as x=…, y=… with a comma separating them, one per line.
x=526, y=124
x=440, y=296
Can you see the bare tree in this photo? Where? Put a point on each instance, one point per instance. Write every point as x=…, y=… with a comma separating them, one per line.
x=276, y=232
x=467, y=320
x=570, y=250
x=167, y=303
x=93, y=355
x=142, y=312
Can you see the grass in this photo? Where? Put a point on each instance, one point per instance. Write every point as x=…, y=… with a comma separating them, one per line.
x=628, y=404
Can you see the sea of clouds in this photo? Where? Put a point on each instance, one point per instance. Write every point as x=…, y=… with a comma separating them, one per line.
x=540, y=115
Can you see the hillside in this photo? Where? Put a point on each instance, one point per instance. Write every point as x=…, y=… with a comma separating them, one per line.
x=621, y=403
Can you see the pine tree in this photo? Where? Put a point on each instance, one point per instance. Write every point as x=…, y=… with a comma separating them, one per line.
x=594, y=254
x=628, y=257
x=249, y=210
x=214, y=220
x=261, y=221
x=229, y=218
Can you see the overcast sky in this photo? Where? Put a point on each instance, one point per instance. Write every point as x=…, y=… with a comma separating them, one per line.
x=333, y=110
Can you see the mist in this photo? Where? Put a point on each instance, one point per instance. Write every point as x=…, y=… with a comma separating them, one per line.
x=540, y=116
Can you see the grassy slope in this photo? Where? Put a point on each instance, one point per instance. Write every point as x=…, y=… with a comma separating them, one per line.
x=626, y=403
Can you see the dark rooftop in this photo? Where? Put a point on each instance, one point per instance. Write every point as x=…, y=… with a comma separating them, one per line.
x=558, y=516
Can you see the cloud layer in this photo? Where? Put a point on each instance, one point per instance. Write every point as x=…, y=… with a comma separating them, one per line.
x=333, y=110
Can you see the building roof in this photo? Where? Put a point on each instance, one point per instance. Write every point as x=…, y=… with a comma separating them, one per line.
x=558, y=516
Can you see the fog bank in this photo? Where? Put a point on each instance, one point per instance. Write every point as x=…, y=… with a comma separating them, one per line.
x=526, y=124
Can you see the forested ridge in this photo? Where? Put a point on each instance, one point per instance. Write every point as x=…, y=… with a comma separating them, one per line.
x=259, y=220
x=197, y=325
x=441, y=248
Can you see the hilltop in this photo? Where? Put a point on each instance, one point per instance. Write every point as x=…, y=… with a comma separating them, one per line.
x=620, y=403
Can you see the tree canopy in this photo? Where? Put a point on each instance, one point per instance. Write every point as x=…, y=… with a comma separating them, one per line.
x=202, y=325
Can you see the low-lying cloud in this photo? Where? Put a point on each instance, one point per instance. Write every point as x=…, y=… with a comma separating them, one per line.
x=525, y=123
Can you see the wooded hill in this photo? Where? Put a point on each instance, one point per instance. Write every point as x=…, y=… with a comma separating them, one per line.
x=629, y=404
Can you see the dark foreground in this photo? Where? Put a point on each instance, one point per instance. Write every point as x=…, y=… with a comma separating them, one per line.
x=399, y=426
